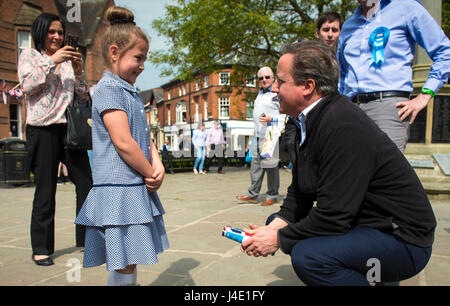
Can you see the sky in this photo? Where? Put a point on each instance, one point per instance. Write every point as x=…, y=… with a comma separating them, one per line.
x=145, y=11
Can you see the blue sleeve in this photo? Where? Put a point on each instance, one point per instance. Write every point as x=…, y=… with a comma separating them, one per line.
x=195, y=139
x=430, y=36
x=342, y=66
x=108, y=97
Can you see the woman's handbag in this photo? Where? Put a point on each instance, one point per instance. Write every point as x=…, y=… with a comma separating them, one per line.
x=79, y=126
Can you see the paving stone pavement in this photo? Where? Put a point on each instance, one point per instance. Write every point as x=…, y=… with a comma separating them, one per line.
x=197, y=207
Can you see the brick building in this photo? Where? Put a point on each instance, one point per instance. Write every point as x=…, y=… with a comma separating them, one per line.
x=207, y=98
x=152, y=98
x=16, y=17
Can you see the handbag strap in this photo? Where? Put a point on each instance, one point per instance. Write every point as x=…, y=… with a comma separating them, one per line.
x=87, y=105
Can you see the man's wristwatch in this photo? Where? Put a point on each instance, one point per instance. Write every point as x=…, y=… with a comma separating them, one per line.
x=428, y=91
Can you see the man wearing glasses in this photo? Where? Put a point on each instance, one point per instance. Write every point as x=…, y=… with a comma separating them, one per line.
x=265, y=112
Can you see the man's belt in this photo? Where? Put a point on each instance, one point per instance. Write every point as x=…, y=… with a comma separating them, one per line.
x=370, y=96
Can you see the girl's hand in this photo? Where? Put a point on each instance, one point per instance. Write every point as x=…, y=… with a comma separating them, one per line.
x=153, y=183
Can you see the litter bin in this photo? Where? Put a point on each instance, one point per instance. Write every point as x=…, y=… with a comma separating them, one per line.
x=14, y=163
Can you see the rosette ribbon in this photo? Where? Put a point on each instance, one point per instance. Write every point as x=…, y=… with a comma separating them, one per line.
x=378, y=40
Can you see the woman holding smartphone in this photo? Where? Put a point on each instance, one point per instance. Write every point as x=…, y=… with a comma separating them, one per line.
x=49, y=75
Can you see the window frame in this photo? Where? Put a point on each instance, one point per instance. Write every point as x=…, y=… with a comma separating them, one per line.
x=205, y=109
x=221, y=74
x=249, y=116
x=250, y=80
x=180, y=109
x=19, y=47
x=224, y=102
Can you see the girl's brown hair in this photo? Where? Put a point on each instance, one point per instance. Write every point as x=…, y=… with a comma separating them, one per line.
x=122, y=31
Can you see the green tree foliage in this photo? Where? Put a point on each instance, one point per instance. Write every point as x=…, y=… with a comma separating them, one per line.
x=446, y=16
x=203, y=34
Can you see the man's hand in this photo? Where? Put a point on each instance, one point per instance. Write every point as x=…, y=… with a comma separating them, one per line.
x=266, y=119
x=413, y=107
x=263, y=242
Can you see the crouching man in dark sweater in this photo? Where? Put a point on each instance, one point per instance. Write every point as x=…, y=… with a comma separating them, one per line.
x=372, y=221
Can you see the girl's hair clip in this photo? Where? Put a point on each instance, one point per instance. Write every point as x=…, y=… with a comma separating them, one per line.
x=122, y=21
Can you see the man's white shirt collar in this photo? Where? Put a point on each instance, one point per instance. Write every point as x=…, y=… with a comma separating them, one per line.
x=309, y=108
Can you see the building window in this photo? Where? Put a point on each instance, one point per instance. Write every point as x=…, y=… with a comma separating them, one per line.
x=224, y=78
x=251, y=81
x=168, y=95
x=169, y=122
x=224, y=108
x=180, y=92
x=181, y=112
x=197, y=112
x=205, y=109
x=197, y=86
x=184, y=90
x=249, y=109
x=15, y=122
x=153, y=116
x=206, y=81
x=23, y=41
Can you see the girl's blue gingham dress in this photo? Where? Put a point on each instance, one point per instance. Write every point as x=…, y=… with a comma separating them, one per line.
x=124, y=223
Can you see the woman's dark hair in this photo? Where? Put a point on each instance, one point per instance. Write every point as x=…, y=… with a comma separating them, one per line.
x=40, y=27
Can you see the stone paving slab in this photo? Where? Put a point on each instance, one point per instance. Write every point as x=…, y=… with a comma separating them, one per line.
x=418, y=163
x=443, y=161
x=197, y=207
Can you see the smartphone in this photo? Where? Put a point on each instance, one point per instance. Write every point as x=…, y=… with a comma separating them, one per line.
x=72, y=41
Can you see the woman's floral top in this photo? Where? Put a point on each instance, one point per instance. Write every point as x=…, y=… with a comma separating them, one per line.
x=48, y=88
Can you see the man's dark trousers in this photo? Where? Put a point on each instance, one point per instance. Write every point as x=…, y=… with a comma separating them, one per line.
x=361, y=256
x=216, y=150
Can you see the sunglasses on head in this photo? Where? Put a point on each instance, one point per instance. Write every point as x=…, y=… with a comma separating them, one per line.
x=265, y=77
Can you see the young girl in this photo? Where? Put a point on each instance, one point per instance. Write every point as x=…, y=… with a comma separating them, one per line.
x=122, y=212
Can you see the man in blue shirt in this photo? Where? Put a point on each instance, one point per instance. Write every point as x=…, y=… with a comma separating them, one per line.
x=375, y=51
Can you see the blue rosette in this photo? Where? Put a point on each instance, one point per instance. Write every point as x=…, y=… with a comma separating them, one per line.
x=378, y=41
